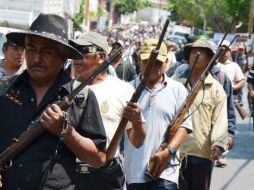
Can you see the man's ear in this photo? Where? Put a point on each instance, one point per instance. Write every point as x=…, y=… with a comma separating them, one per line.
x=66, y=55
x=4, y=49
x=102, y=56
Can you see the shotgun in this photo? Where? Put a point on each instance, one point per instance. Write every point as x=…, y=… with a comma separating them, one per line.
x=136, y=95
x=35, y=130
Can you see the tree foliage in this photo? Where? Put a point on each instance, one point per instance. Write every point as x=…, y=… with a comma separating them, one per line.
x=123, y=7
x=79, y=17
x=217, y=14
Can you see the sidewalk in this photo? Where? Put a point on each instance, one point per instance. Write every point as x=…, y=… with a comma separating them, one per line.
x=239, y=173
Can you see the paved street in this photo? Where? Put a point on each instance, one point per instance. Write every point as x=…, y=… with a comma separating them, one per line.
x=239, y=173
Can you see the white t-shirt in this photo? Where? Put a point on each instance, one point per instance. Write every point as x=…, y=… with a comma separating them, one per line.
x=112, y=94
x=233, y=71
x=158, y=106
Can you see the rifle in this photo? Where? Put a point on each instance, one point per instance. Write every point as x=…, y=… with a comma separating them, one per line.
x=246, y=66
x=242, y=112
x=35, y=130
x=122, y=125
x=180, y=116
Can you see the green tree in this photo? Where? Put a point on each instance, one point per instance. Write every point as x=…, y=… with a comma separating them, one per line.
x=216, y=15
x=123, y=7
x=79, y=17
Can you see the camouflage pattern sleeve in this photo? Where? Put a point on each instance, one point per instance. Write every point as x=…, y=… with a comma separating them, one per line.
x=5, y=83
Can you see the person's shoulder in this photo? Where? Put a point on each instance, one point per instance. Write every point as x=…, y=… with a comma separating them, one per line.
x=217, y=87
x=6, y=82
x=116, y=81
x=174, y=83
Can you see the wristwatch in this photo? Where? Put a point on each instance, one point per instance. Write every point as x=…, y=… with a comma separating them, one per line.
x=170, y=149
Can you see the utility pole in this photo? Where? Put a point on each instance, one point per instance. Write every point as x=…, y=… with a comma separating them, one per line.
x=86, y=15
x=251, y=18
x=111, y=7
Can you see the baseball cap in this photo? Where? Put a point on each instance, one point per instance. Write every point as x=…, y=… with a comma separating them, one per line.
x=91, y=38
x=149, y=45
x=226, y=43
x=119, y=42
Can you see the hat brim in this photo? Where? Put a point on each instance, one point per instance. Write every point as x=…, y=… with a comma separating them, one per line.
x=144, y=56
x=86, y=42
x=19, y=38
x=80, y=42
x=188, y=47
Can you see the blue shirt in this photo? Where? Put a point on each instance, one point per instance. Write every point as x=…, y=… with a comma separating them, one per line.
x=158, y=107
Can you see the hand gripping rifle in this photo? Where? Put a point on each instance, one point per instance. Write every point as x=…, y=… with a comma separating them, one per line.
x=34, y=129
x=136, y=95
x=180, y=116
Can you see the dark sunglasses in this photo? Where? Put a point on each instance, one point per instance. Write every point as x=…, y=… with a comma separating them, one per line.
x=89, y=49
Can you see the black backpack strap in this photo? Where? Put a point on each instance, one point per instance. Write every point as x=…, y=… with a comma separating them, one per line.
x=79, y=102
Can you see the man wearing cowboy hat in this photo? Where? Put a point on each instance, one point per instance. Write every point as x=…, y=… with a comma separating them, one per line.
x=50, y=161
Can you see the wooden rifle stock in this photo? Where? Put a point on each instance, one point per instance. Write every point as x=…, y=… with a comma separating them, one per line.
x=35, y=130
x=242, y=112
x=122, y=125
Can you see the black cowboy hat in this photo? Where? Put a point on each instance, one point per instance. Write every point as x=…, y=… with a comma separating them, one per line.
x=48, y=26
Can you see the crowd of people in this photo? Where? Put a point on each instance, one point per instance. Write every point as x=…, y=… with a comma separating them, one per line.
x=72, y=151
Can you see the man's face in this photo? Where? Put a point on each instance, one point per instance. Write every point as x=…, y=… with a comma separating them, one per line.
x=225, y=57
x=14, y=55
x=115, y=47
x=157, y=70
x=240, y=51
x=203, y=59
x=88, y=64
x=44, y=58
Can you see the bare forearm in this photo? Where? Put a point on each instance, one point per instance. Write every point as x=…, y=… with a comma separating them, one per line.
x=137, y=135
x=250, y=87
x=178, y=138
x=238, y=85
x=84, y=148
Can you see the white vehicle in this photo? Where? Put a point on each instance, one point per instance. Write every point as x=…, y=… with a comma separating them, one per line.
x=183, y=31
x=177, y=39
x=3, y=32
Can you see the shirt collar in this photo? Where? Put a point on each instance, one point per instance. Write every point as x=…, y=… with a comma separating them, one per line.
x=209, y=79
x=137, y=80
x=61, y=81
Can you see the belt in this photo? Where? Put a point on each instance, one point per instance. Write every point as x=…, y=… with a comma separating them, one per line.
x=84, y=168
x=109, y=168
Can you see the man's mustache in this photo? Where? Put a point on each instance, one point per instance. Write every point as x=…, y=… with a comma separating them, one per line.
x=38, y=65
